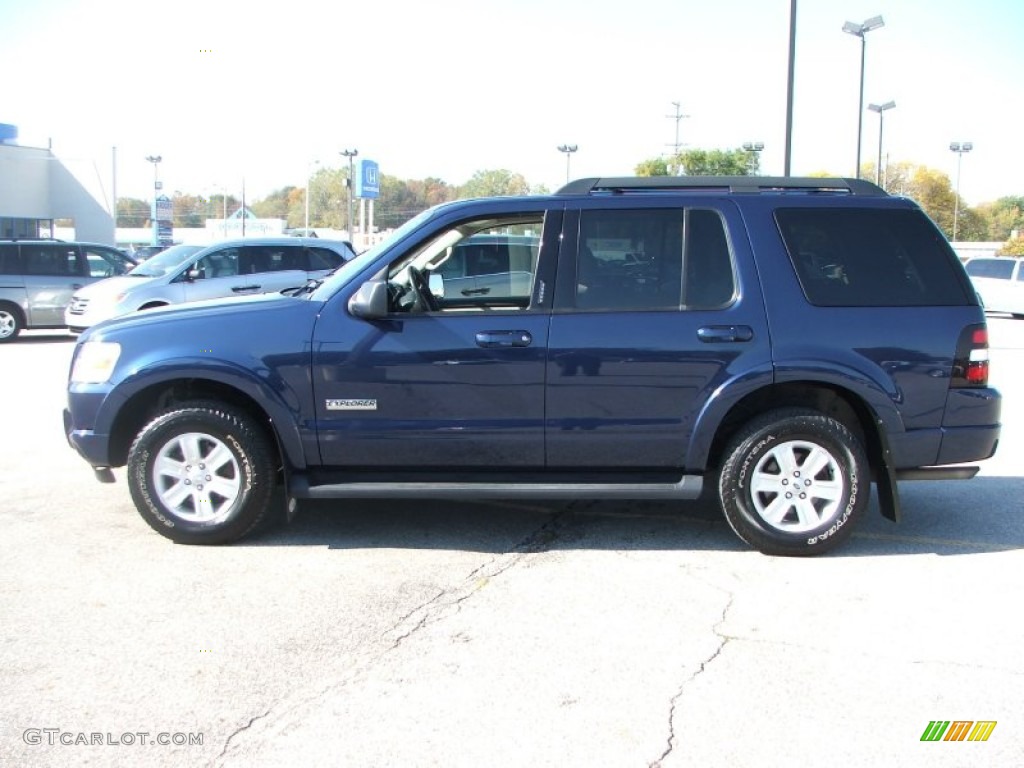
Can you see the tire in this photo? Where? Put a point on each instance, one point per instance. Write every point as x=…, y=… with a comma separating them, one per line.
x=202, y=473
x=768, y=457
x=11, y=322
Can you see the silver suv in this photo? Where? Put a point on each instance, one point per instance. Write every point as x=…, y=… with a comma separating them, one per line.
x=185, y=273
x=38, y=277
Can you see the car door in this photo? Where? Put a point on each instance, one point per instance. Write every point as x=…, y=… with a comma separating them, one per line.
x=650, y=320
x=456, y=384
x=53, y=272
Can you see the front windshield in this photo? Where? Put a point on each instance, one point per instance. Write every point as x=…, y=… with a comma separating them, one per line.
x=344, y=273
x=165, y=261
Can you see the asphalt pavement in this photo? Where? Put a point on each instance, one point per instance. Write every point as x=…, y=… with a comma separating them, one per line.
x=411, y=633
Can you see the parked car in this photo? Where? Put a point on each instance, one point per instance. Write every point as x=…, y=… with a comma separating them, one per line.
x=999, y=281
x=38, y=278
x=185, y=273
x=783, y=342
x=143, y=252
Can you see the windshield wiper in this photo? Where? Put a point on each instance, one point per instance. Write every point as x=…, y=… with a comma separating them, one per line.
x=311, y=285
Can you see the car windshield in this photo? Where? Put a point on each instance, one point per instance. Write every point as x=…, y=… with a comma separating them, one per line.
x=344, y=273
x=165, y=261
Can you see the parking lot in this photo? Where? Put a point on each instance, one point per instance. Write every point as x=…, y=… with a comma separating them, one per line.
x=499, y=634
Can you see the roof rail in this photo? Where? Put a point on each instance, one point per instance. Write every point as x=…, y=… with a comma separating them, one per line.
x=748, y=184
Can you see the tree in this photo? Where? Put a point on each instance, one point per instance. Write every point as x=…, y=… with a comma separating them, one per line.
x=493, y=184
x=1003, y=217
x=1013, y=247
x=719, y=162
x=655, y=166
x=132, y=212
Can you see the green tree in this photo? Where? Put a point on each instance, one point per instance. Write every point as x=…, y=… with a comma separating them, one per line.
x=493, y=184
x=1013, y=247
x=132, y=212
x=1004, y=217
x=719, y=162
x=655, y=166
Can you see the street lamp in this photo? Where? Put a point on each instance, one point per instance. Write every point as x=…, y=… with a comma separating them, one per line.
x=958, y=147
x=880, y=109
x=568, y=149
x=754, y=148
x=859, y=30
x=350, y=154
x=155, y=160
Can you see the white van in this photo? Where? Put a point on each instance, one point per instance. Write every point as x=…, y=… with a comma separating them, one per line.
x=184, y=273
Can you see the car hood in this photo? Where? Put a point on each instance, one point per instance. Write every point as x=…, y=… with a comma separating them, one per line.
x=110, y=287
x=208, y=313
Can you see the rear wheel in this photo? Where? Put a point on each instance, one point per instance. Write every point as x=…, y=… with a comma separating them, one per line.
x=11, y=322
x=794, y=482
x=202, y=474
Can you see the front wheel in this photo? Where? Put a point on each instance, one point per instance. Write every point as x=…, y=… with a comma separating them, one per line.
x=794, y=482
x=11, y=322
x=202, y=473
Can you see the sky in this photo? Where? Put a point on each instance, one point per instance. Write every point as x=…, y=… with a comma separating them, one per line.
x=226, y=90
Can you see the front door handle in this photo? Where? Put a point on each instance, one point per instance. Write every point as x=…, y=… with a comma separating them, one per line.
x=243, y=288
x=504, y=339
x=720, y=333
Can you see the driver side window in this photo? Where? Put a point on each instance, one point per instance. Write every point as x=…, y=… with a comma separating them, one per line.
x=477, y=265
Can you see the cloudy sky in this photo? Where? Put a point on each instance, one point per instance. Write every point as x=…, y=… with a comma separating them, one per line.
x=224, y=89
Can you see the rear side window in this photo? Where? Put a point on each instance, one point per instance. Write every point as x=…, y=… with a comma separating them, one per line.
x=48, y=259
x=104, y=263
x=999, y=269
x=653, y=259
x=861, y=257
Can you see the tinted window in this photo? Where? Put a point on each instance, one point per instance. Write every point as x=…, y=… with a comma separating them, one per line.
x=49, y=259
x=1000, y=269
x=9, y=260
x=269, y=258
x=322, y=258
x=871, y=258
x=653, y=259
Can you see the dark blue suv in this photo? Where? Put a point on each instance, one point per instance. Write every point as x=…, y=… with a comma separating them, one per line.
x=784, y=342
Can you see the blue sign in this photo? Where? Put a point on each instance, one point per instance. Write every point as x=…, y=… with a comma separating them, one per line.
x=368, y=180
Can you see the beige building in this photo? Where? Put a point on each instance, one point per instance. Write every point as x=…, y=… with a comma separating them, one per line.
x=38, y=188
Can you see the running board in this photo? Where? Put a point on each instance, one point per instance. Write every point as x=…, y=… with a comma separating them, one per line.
x=689, y=487
x=937, y=473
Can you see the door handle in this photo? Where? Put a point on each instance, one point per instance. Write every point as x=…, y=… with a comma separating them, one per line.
x=719, y=333
x=476, y=291
x=242, y=288
x=504, y=339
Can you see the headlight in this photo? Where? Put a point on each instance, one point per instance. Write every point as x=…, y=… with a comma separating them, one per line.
x=95, y=362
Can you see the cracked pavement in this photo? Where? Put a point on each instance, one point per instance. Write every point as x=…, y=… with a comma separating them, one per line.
x=502, y=634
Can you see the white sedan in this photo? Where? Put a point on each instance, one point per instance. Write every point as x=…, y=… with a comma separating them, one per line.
x=999, y=281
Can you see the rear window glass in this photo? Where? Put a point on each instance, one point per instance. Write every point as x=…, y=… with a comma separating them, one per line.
x=871, y=257
x=1000, y=269
x=9, y=264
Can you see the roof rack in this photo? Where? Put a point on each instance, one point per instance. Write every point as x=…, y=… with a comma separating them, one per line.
x=740, y=184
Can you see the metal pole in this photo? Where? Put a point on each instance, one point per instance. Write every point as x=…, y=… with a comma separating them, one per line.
x=113, y=188
x=787, y=163
x=860, y=104
x=956, y=199
x=878, y=166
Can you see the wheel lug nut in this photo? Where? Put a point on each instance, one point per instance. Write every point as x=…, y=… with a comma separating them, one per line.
x=802, y=495
x=188, y=482
x=202, y=466
x=789, y=495
x=785, y=482
x=208, y=478
x=199, y=487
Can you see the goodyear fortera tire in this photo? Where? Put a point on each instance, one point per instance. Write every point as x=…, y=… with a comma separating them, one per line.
x=11, y=322
x=794, y=482
x=202, y=473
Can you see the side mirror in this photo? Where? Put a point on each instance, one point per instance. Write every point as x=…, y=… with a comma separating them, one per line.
x=370, y=302
x=194, y=273
x=436, y=285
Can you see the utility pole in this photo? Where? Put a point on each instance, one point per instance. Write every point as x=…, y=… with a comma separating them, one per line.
x=678, y=116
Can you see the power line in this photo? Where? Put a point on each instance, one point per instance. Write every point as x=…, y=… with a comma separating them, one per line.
x=678, y=116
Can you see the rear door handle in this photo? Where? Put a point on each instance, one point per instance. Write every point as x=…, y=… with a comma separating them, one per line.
x=720, y=333
x=476, y=291
x=504, y=339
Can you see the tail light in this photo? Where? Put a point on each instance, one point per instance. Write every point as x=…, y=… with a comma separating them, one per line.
x=970, y=368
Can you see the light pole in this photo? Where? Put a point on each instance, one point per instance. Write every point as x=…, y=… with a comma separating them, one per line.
x=859, y=30
x=880, y=109
x=754, y=148
x=959, y=147
x=350, y=154
x=155, y=160
x=568, y=149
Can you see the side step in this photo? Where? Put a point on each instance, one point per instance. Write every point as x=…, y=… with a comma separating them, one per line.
x=937, y=473
x=688, y=487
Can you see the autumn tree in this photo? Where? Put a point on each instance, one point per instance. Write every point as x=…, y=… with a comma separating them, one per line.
x=132, y=212
x=703, y=162
x=494, y=184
